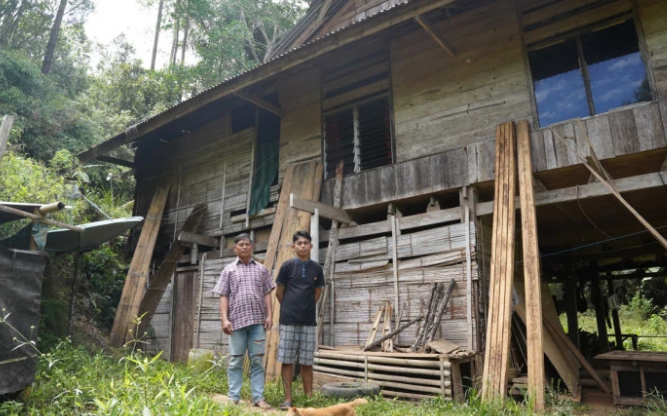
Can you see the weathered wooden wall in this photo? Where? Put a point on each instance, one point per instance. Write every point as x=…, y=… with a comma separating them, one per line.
x=362, y=284
x=443, y=103
x=301, y=127
x=653, y=18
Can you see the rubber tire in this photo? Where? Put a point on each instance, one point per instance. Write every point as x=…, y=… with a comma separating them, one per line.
x=350, y=390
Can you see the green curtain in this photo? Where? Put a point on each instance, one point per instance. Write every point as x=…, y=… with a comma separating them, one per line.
x=267, y=169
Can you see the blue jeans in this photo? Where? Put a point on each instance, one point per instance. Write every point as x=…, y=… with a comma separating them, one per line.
x=250, y=338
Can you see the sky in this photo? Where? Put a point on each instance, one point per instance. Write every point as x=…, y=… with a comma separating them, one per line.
x=113, y=17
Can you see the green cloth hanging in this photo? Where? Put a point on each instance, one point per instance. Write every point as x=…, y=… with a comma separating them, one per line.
x=266, y=161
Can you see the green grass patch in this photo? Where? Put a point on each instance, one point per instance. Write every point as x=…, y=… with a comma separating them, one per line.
x=73, y=381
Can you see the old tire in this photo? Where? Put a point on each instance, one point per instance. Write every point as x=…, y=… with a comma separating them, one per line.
x=349, y=390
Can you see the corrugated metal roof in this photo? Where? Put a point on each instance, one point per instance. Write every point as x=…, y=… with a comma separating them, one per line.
x=272, y=61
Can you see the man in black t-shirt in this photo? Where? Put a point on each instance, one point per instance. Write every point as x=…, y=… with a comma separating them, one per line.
x=300, y=281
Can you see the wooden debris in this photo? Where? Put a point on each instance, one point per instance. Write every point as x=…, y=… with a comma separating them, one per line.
x=388, y=344
x=442, y=346
x=392, y=334
x=160, y=280
x=502, y=268
x=38, y=218
x=531, y=268
x=441, y=309
x=374, y=329
x=135, y=283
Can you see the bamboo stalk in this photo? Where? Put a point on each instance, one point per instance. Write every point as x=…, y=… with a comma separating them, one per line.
x=407, y=383
x=37, y=218
x=422, y=326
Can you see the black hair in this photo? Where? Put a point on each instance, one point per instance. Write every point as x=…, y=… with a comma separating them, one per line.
x=240, y=237
x=302, y=233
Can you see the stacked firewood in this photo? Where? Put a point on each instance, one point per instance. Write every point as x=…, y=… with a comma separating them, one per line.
x=428, y=325
x=437, y=304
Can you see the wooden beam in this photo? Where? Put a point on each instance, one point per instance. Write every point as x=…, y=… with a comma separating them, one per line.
x=364, y=29
x=5, y=130
x=260, y=102
x=531, y=269
x=426, y=25
x=38, y=218
x=589, y=191
x=326, y=211
x=202, y=240
x=606, y=180
x=117, y=161
x=137, y=275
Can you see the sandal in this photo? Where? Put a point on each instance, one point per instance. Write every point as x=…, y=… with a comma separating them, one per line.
x=286, y=405
x=262, y=404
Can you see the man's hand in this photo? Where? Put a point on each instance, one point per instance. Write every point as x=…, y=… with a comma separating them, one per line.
x=268, y=323
x=227, y=327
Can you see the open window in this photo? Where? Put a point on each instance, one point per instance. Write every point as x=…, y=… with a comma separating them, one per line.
x=588, y=72
x=359, y=135
x=357, y=122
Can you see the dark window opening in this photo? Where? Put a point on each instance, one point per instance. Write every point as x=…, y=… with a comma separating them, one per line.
x=589, y=74
x=243, y=118
x=360, y=136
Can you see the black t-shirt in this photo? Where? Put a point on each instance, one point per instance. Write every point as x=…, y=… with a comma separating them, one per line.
x=300, y=280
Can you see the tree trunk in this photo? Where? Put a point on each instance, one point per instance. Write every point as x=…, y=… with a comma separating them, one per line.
x=158, y=25
x=53, y=38
x=174, y=46
x=185, y=40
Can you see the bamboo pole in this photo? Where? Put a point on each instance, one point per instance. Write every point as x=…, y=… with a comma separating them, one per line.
x=440, y=311
x=386, y=368
x=37, y=218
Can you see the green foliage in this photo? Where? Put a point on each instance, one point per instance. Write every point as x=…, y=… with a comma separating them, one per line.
x=46, y=120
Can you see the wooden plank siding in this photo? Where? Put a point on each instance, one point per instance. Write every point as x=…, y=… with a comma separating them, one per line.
x=433, y=255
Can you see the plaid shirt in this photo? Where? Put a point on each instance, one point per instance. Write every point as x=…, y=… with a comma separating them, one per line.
x=245, y=285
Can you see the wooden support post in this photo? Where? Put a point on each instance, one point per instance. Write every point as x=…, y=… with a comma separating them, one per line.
x=465, y=206
x=600, y=315
x=315, y=234
x=250, y=181
x=531, y=269
x=5, y=130
x=394, y=265
x=200, y=298
x=571, y=297
x=224, y=189
x=137, y=276
x=72, y=299
x=615, y=318
x=502, y=268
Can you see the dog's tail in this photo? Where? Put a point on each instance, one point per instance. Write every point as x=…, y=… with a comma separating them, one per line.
x=359, y=402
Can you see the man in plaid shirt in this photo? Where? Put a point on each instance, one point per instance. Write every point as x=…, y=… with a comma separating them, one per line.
x=245, y=289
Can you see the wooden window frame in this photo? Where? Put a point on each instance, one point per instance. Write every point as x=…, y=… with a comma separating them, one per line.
x=357, y=139
x=633, y=16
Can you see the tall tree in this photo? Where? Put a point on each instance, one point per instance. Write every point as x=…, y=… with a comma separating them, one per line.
x=158, y=27
x=53, y=38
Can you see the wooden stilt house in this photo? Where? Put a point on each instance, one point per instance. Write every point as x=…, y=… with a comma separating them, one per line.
x=408, y=94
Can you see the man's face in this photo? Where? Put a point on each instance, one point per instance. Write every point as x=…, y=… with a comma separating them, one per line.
x=243, y=249
x=302, y=247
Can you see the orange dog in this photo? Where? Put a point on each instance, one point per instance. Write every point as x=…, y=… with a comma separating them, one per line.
x=343, y=409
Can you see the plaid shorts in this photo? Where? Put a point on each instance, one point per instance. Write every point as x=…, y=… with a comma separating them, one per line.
x=297, y=342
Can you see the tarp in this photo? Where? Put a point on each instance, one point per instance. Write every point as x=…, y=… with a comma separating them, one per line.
x=21, y=275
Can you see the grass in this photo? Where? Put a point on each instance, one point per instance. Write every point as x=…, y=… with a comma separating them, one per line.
x=73, y=381
x=639, y=317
